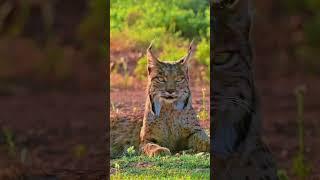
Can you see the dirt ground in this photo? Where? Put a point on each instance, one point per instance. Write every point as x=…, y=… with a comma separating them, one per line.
x=279, y=110
x=64, y=136
x=278, y=72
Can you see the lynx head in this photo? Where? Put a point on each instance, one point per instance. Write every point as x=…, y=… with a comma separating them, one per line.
x=168, y=82
x=235, y=104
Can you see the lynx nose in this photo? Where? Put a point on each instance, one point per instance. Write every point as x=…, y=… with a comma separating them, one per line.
x=170, y=91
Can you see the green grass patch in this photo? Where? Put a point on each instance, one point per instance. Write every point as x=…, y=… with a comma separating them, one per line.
x=186, y=166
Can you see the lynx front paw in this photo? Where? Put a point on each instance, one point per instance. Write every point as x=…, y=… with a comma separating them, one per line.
x=152, y=149
x=161, y=151
x=200, y=142
x=204, y=146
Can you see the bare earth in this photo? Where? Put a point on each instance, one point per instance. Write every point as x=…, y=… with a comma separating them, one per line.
x=51, y=127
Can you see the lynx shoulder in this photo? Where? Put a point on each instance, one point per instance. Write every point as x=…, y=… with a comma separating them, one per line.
x=169, y=123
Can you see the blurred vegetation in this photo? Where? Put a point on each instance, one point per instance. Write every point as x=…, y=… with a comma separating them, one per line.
x=79, y=151
x=301, y=167
x=9, y=139
x=203, y=114
x=49, y=52
x=282, y=175
x=92, y=31
x=307, y=50
x=172, y=24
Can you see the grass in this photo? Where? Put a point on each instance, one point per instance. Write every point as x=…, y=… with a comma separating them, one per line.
x=185, y=166
x=300, y=166
x=9, y=139
x=14, y=152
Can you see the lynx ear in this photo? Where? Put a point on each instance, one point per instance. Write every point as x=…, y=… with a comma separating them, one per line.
x=235, y=17
x=152, y=60
x=186, y=58
x=233, y=4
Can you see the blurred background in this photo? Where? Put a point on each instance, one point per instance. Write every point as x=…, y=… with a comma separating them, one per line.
x=287, y=43
x=52, y=76
x=52, y=88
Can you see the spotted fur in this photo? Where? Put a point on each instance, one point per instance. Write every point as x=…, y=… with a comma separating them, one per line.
x=238, y=151
x=170, y=123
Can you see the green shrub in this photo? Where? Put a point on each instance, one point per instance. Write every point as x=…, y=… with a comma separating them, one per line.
x=172, y=23
x=282, y=175
x=203, y=55
x=308, y=51
x=93, y=28
x=141, y=68
x=187, y=17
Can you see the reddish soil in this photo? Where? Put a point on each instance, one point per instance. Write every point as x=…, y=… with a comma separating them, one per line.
x=279, y=110
x=51, y=127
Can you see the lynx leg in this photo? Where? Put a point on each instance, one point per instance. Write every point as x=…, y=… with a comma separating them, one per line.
x=199, y=141
x=152, y=149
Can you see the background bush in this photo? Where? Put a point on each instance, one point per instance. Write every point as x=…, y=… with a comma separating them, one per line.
x=172, y=24
x=307, y=49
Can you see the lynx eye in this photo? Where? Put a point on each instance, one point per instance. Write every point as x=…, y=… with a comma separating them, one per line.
x=180, y=79
x=222, y=58
x=160, y=79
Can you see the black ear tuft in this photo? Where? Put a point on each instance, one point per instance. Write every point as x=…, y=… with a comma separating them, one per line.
x=185, y=59
x=152, y=59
